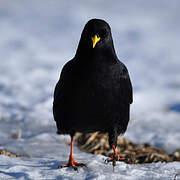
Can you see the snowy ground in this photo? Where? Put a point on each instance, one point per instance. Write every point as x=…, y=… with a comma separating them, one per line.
x=38, y=37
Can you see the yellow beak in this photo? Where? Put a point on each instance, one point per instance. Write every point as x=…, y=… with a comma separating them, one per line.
x=95, y=39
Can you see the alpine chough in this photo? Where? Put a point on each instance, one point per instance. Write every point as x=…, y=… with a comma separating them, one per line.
x=94, y=91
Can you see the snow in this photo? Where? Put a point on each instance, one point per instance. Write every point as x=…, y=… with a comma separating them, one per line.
x=38, y=37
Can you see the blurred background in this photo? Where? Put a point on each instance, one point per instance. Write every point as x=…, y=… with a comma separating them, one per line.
x=38, y=37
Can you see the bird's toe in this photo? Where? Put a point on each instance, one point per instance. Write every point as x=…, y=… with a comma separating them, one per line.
x=73, y=164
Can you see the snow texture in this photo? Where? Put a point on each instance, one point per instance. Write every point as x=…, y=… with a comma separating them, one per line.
x=38, y=37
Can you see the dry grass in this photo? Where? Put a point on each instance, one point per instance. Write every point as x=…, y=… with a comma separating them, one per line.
x=8, y=153
x=97, y=143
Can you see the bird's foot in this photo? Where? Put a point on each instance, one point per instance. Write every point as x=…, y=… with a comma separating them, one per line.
x=72, y=163
x=113, y=160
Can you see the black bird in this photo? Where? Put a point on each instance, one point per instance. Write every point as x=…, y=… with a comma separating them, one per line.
x=94, y=91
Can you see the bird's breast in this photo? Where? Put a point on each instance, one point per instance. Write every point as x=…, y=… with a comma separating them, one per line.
x=95, y=92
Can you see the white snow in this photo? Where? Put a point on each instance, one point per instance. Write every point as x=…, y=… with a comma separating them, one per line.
x=38, y=37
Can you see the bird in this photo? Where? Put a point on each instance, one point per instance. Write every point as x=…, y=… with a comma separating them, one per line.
x=94, y=91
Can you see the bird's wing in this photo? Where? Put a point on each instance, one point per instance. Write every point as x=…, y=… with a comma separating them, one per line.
x=126, y=89
x=59, y=91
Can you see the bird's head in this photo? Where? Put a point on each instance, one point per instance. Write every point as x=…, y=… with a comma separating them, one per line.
x=96, y=37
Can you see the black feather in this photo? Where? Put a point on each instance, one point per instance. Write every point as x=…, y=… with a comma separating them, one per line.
x=94, y=92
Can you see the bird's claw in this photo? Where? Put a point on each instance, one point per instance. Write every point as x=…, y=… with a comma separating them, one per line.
x=67, y=165
x=111, y=160
x=114, y=159
x=74, y=165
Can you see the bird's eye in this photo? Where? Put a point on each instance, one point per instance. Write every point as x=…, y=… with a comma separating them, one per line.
x=103, y=33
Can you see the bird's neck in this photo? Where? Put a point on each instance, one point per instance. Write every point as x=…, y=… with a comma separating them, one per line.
x=100, y=55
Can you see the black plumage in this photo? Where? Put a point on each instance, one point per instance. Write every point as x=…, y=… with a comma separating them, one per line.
x=94, y=91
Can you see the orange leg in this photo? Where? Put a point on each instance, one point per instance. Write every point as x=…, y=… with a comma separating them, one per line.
x=72, y=161
x=115, y=157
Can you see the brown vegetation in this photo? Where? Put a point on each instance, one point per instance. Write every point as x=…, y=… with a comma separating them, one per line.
x=97, y=143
